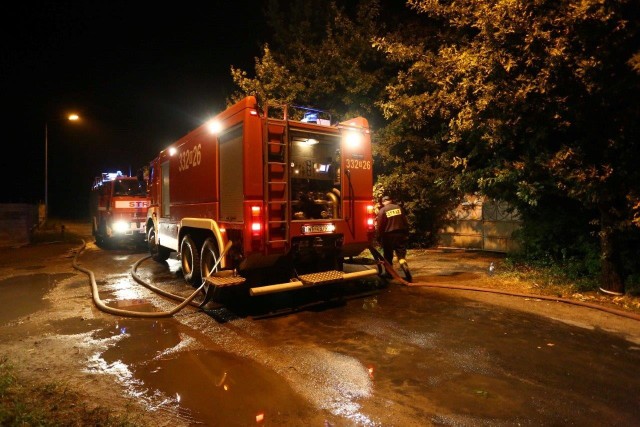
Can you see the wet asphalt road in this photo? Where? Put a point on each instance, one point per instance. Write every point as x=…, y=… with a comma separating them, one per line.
x=373, y=355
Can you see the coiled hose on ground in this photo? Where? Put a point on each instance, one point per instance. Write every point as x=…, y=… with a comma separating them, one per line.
x=129, y=313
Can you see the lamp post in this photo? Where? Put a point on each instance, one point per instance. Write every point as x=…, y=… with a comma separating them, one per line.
x=72, y=118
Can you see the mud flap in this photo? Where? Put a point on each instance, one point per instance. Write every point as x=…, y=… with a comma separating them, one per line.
x=208, y=295
x=219, y=280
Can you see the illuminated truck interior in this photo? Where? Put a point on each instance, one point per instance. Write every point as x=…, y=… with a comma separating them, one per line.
x=315, y=176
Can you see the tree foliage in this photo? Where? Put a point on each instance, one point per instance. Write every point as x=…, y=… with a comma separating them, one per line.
x=531, y=102
x=272, y=81
x=320, y=57
x=412, y=167
x=534, y=99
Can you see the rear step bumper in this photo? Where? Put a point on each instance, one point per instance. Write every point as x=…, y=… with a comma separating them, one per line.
x=314, y=279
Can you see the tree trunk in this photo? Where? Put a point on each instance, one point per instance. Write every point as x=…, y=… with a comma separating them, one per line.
x=610, y=280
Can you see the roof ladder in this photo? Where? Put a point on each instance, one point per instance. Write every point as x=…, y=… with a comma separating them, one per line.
x=276, y=183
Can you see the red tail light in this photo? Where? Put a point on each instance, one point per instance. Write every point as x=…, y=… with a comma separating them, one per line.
x=256, y=221
x=371, y=218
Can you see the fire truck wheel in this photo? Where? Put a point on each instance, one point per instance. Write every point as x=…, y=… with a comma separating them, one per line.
x=208, y=257
x=158, y=253
x=190, y=260
x=102, y=243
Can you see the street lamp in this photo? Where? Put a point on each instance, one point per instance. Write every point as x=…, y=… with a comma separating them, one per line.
x=72, y=118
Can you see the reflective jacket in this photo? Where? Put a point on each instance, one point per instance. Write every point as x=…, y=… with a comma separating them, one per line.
x=391, y=218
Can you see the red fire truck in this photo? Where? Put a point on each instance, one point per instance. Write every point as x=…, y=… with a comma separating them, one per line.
x=273, y=198
x=118, y=207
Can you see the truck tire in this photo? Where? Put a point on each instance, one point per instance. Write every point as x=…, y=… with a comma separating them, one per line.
x=98, y=235
x=158, y=253
x=190, y=260
x=208, y=257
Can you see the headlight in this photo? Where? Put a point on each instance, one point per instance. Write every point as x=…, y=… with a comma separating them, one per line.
x=120, y=226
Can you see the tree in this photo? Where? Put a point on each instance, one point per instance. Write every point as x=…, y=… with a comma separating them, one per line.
x=320, y=57
x=324, y=57
x=272, y=81
x=534, y=100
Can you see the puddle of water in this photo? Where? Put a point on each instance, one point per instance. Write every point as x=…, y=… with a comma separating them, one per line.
x=481, y=395
x=484, y=363
x=139, y=305
x=439, y=360
x=221, y=389
x=142, y=339
x=119, y=291
x=26, y=294
x=152, y=361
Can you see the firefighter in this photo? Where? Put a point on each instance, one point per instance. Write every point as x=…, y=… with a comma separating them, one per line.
x=393, y=233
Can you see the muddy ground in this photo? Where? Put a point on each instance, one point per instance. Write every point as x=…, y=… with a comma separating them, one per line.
x=35, y=330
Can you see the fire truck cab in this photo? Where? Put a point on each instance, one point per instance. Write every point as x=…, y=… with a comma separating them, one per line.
x=118, y=207
x=273, y=198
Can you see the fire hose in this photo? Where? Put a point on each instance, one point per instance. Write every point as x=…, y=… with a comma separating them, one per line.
x=189, y=300
x=131, y=313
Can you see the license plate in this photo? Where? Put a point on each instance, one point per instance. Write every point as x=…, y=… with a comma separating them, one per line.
x=318, y=228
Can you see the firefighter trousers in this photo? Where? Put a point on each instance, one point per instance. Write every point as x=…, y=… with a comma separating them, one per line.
x=394, y=242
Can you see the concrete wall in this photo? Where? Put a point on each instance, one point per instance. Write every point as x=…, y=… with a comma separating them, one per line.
x=480, y=223
x=16, y=222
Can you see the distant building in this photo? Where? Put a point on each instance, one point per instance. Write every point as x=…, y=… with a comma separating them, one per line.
x=17, y=221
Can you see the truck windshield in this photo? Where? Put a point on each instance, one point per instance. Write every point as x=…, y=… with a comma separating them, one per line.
x=129, y=187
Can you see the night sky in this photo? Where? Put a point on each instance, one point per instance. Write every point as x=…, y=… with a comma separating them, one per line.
x=140, y=76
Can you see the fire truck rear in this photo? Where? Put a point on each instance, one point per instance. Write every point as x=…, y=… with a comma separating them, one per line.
x=273, y=198
x=118, y=206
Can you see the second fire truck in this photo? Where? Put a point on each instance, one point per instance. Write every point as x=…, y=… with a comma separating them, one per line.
x=273, y=198
x=118, y=207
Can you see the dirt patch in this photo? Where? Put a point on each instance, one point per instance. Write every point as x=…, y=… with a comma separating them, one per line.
x=472, y=268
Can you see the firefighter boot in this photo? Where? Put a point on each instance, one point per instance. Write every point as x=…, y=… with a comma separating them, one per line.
x=405, y=268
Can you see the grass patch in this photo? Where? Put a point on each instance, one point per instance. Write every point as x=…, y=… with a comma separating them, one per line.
x=553, y=278
x=51, y=404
